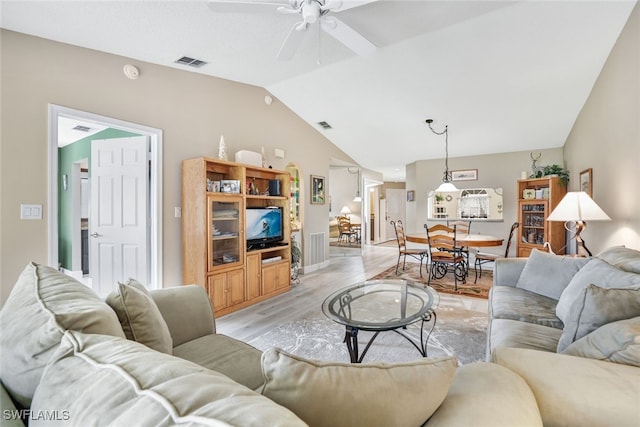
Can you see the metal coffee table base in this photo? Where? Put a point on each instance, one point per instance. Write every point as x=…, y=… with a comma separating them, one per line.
x=351, y=338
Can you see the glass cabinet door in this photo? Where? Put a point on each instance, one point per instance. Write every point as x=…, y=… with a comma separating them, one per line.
x=533, y=226
x=225, y=231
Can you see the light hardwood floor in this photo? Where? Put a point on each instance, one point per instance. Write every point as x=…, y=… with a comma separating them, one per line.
x=346, y=267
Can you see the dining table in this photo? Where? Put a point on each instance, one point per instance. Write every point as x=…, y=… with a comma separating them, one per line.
x=462, y=240
x=468, y=240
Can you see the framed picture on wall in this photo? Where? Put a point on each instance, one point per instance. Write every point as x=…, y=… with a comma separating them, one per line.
x=317, y=190
x=464, y=175
x=586, y=181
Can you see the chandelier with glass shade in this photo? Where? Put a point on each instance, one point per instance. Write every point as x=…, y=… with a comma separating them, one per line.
x=446, y=185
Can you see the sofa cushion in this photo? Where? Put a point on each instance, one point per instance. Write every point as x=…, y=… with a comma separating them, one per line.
x=617, y=342
x=342, y=394
x=574, y=391
x=596, y=307
x=187, y=311
x=124, y=383
x=599, y=273
x=43, y=304
x=139, y=316
x=625, y=259
x=506, y=302
x=512, y=333
x=236, y=359
x=547, y=274
x=486, y=394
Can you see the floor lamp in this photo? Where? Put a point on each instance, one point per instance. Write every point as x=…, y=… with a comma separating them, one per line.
x=578, y=208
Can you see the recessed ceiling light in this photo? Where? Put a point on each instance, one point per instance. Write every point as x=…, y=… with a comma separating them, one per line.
x=324, y=125
x=82, y=128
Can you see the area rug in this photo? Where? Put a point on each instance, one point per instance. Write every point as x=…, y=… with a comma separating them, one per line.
x=457, y=332
x=444, y=285
x=344, y=244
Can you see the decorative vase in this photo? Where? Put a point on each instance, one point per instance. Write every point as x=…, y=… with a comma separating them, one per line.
x=222, y=149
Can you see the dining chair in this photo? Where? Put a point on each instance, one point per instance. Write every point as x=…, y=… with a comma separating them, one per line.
x=486, y=257
x=403, y=251
x=463, y=228
x=345, y=230
x=444, y=256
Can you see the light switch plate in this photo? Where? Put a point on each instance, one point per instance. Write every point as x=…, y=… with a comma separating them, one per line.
x=30, y=211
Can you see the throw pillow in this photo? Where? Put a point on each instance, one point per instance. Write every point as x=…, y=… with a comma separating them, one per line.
x=337, y=394
x=43, y=304
x=597, y=307
x=547, y=274
x=140, y=317
x=101, y=380
x=600, y=273
x=617, y=342
x=625, y=259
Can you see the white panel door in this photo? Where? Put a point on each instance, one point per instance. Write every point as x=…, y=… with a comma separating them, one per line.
x=382, y=219
x=396, y=209
x=118, y=222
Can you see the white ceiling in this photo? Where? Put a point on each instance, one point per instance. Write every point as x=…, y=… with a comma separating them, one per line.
x=68, y=131
x=504, y=76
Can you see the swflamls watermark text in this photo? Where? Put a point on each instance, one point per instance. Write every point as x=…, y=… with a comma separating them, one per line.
x=40, y=415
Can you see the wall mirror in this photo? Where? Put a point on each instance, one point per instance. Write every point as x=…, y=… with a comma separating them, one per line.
x=476, y=204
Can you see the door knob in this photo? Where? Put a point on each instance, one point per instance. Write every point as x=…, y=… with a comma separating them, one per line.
x=94, y=234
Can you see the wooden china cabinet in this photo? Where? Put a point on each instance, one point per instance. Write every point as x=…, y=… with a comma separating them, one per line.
x=536, y=199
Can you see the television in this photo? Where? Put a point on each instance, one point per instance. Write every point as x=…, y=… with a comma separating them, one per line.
x=263, y=226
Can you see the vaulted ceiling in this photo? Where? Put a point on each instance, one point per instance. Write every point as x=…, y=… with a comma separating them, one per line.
x=503, y=75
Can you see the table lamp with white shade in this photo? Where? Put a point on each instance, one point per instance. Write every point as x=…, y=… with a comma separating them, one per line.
x=345, y=211
x=578, y=207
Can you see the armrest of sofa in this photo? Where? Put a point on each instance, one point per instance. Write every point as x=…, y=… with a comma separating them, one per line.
x=576, y=391
x=10, y=414
x=507, y=271
x=187, y=311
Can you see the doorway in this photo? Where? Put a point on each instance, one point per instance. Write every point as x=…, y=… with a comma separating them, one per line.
x=56, y=181
x=396, y=209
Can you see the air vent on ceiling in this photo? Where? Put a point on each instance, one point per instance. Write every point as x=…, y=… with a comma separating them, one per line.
x=324, y=125
x=191, y=62
x=82, y=128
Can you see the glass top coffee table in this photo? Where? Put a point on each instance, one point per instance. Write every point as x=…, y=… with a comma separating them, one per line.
x=382, y=305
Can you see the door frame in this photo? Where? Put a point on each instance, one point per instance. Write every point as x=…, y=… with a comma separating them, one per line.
x=155, y=206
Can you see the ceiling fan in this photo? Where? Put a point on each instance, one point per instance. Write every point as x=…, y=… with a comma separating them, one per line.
x=312, y=12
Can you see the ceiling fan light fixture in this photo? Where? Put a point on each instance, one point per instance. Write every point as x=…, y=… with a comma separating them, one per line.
x=311, y=12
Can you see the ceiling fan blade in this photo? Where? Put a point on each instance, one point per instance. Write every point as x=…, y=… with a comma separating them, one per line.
x=248, y=6
x=292, y=42
x=340, y=5
x=348, y=36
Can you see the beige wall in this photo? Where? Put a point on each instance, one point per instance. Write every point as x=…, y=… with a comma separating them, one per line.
x=193, y=110
x=494, y=170
x=606, y=138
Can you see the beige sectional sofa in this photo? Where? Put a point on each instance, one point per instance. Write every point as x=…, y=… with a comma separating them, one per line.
x=570, y=327
x=154, y=359
x=145, y=358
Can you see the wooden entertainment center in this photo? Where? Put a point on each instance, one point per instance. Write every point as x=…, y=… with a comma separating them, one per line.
x=215, y=197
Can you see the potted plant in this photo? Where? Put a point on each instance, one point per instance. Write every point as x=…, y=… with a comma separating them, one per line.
x=439, y=198
x=557, y=171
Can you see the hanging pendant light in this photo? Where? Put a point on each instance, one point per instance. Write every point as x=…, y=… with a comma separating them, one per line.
x=446, y=185
x=358, y=198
